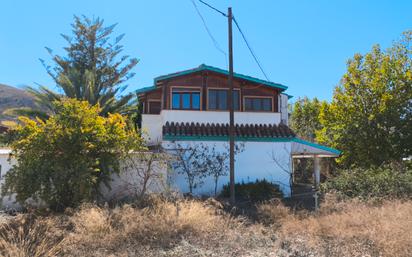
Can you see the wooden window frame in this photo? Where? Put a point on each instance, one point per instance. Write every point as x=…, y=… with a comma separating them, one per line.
x=220, y=88
x=260, y=97
x=148, y=106
x=187, y=90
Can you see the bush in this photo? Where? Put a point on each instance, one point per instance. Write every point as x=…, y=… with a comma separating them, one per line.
x=384, y=181
x=258, y=191
x=63, y=160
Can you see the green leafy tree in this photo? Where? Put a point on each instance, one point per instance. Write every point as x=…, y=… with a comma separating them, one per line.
x=64, y=159
x=91, y=70
x=370, y=116
x=305, y=118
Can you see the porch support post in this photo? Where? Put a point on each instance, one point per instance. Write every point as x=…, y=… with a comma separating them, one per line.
x=316, y=166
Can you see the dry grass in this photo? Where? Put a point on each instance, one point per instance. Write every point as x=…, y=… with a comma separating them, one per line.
x=195, y=228
x=353, y=228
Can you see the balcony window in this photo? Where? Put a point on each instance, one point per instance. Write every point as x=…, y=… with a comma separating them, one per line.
x=258, y=104
x=218, y=99
x=186, y=100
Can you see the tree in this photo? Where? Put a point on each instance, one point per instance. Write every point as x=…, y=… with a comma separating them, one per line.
x=91, y=71
x=64, y=159
x=145, y=171
x=188, y=162
x=370, y=116
x=305, y=118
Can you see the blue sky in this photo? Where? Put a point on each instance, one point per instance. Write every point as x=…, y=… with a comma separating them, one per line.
x=302, y=44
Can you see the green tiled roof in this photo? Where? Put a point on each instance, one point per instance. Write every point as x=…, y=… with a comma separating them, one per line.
x=204, y=67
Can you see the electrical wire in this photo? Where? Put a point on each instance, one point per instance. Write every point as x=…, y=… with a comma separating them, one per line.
x=215, y=43
x=208, y=5
x=250, y=49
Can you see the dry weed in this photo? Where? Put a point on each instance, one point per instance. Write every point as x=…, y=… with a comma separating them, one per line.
x=28, y=236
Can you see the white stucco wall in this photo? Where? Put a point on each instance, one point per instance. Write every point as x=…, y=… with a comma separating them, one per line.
x=152, y=124
x=284, y=108
x=127, y=183
x=255, y=162
x=6, y=164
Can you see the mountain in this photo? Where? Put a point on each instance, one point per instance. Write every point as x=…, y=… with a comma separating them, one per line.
x=11, y=97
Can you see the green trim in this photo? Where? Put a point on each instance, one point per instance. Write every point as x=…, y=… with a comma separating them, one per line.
x=145, y=89
x=251, y=139
x=225, y=72
x=226, y=138
x=322, y=147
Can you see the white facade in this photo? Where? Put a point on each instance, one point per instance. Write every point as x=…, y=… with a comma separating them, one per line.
x=259, y=160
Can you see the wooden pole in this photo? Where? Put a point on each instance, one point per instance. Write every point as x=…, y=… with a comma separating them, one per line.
x=231, y=112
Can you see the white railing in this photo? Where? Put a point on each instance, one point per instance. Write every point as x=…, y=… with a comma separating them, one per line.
x=152, y=123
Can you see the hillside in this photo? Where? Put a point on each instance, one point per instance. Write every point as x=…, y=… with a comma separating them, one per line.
x=11, y=97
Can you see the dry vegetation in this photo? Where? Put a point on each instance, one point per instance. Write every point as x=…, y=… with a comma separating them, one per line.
x=195, y=228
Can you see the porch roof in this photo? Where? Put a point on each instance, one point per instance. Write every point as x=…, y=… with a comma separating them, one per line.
x=305, y=149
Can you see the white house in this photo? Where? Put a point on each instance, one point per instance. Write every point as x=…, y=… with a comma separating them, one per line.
x=190, y=107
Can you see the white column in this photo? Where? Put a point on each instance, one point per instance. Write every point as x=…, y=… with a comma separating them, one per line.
x=316, y=167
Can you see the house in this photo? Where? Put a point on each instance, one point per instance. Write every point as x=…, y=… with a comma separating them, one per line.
x=190, y=107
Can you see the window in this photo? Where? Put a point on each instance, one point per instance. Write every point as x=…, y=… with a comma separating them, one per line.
x=154, y=107
x=186, y=100
x=258, y=104
x=218, y=99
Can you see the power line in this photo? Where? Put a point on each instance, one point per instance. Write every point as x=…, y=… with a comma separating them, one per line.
x=216, y=44
x=250, y=49
x=211, y=7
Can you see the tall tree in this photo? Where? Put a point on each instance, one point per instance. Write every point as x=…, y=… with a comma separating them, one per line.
x=305, y=117
x=91, y=70
x=370, y=116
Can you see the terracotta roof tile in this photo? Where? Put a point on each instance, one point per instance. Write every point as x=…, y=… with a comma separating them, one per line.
x=248, y=130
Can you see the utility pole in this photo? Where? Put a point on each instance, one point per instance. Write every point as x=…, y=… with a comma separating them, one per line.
x=231, y=112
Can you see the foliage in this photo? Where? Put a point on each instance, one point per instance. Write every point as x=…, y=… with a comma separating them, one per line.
x=258, y=191
x=370, y=116
x=187, y=161
x=144, y=172
x=91, y=70
x=63, y=160
x=304, y=119
x=385, y=181
x=197, y=161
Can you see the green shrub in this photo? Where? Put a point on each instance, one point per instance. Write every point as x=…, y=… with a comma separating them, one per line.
x=63, y=160
x=384, y=181
x=258, y=191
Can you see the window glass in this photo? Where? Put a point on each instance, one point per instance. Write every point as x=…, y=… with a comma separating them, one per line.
x=236, y=100
x=176, y=101
x=258, y=104
x=267, y=104
x=248, y=104
x=196, y=101
x=212, y=99
x=186, y=100
x=154, y=107
x=222, y=100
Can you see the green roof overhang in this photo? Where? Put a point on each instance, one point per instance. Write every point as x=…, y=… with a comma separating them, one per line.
x=145, y=89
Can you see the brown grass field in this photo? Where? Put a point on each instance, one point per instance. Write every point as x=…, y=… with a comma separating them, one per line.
x=204, y=228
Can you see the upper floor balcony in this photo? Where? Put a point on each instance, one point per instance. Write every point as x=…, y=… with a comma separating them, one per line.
x=152, y=123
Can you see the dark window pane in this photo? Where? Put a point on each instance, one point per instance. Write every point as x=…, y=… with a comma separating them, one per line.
x=154, y=107
x=222, y=100
x=248, y=104
x=267, y=104
x=186, y=101
x=176, y=101
x=212, y=99
x=196, y=101
x=236, y=100
x=256, y=105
